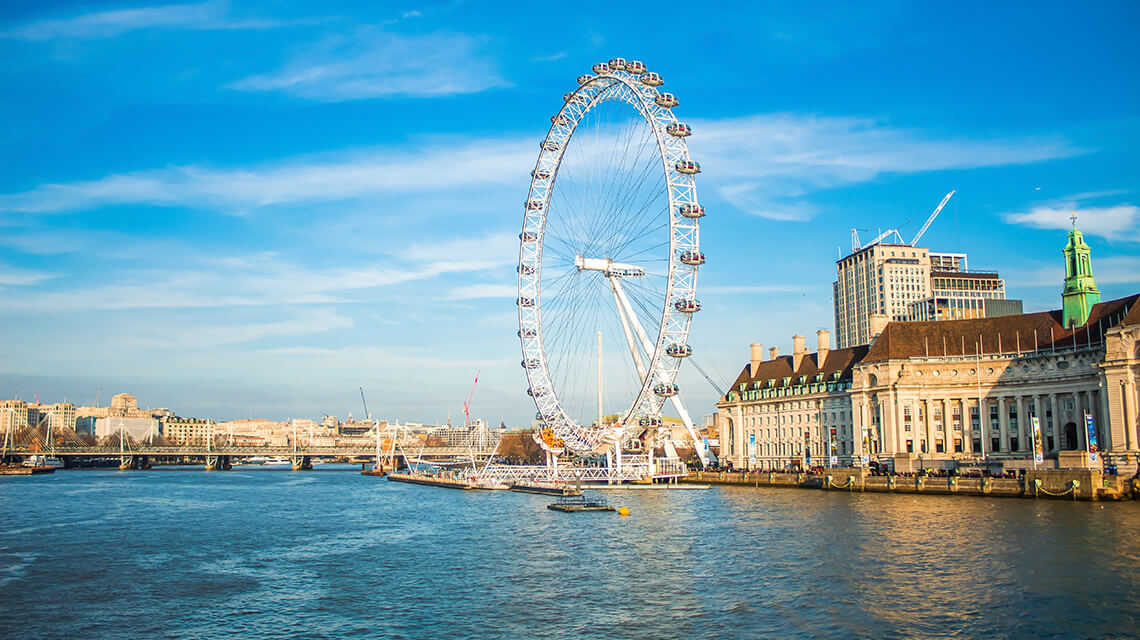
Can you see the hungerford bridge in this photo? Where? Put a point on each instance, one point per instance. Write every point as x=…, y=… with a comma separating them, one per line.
x=478, y=459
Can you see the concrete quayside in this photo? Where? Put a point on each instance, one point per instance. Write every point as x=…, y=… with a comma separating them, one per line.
x=1064, y=484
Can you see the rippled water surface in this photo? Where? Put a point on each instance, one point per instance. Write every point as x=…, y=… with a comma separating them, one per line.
x=260, y=553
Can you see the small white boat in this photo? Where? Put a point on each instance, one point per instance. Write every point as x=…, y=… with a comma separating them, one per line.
x=254, y=460
x=43, y=461
x=272, y=462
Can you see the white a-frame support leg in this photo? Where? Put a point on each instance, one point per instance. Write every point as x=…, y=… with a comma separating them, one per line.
x=628, y=317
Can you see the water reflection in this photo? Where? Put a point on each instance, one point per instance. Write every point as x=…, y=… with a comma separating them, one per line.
x=264, y=554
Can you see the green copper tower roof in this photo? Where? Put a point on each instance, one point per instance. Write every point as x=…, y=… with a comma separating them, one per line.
x=1080, y=292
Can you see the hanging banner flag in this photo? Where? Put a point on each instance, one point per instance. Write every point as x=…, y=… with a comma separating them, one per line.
x=752, y=448
x=807, y=449
x=1092, y=448
x=1038, y=454
x=832, y=451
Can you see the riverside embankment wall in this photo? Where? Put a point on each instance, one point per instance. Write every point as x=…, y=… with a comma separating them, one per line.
x=1064, y=484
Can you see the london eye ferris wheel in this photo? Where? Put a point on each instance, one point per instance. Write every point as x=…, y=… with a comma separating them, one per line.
x=608, y=260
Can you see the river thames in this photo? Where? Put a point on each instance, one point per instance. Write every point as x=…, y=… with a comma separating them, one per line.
x=261, y=553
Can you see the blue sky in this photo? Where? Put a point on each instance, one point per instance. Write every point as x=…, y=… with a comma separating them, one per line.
x=255, y=208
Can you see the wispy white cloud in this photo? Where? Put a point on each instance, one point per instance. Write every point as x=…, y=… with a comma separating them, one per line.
x=483, y=290
x=1119, y=222
x=203, y=333
x=12, y=277
x=550, y=58
x=764, y=164
x=775, y=288
x=374, y=63
x=264, y=280
x=108, y=24
x=475, y=164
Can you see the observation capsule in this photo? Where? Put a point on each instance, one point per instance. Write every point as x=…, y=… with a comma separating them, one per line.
x=526, y=333
x=678, y=351
x=665, y=390
x=551, y=145
x=525, y=302
x=533, y=205
x=688, y=167
x=649, y=421
x=651, y=79
x=528, y=236
x=666, y=100
x=687, y=305
x=567, y=97
x=584, y=78
x=526, y=269
x=691, y=210
x=530, y=363
x=541, y=174
x=601, y=67
x=617, y=64
x=534, y=393
x=678, y=129
x=636, y=67
x=559, y=120
x=692, y=258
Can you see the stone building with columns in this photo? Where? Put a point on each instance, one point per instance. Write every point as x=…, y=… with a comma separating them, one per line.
x=959, y=392
x=790, y=411
x=955, y=393
x=944, y=394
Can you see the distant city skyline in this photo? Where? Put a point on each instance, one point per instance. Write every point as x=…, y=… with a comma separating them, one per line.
x=257, y=209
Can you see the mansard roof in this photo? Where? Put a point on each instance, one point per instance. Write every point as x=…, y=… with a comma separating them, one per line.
x=836, y=360
x=1003, y=334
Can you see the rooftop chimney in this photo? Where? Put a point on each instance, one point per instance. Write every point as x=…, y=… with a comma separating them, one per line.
x=773, y=353
x=824, y=337
x=757, y=357
x=878, y=322
x=798, y=352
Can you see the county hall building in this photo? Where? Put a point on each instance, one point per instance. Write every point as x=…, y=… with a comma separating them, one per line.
x=953, y=393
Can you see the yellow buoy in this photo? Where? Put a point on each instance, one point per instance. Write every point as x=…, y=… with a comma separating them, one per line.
x=623, y=511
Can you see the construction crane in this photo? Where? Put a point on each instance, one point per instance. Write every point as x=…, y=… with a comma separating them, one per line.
x=97, y=396
x=367, y=416
x=930, y=220
x=467, y=405
x=856, y=246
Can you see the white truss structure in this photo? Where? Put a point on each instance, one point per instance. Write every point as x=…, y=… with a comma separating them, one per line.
x=635, y=468
x=639, y=91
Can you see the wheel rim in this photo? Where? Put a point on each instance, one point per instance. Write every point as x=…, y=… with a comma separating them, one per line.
x=553, y=236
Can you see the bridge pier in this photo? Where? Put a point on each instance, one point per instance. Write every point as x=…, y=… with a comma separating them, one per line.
x=302, y=463
x=134, y=462
x=218, y=463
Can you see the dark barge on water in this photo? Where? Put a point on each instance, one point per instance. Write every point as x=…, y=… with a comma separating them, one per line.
x=574, y=504
x=546, y=488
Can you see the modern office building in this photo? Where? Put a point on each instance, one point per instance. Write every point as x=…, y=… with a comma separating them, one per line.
x=875, y=285
x=887, y=282
x=956, y=295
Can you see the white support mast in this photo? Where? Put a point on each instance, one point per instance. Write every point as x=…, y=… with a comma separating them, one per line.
x=625, y=310
x=601, y=380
